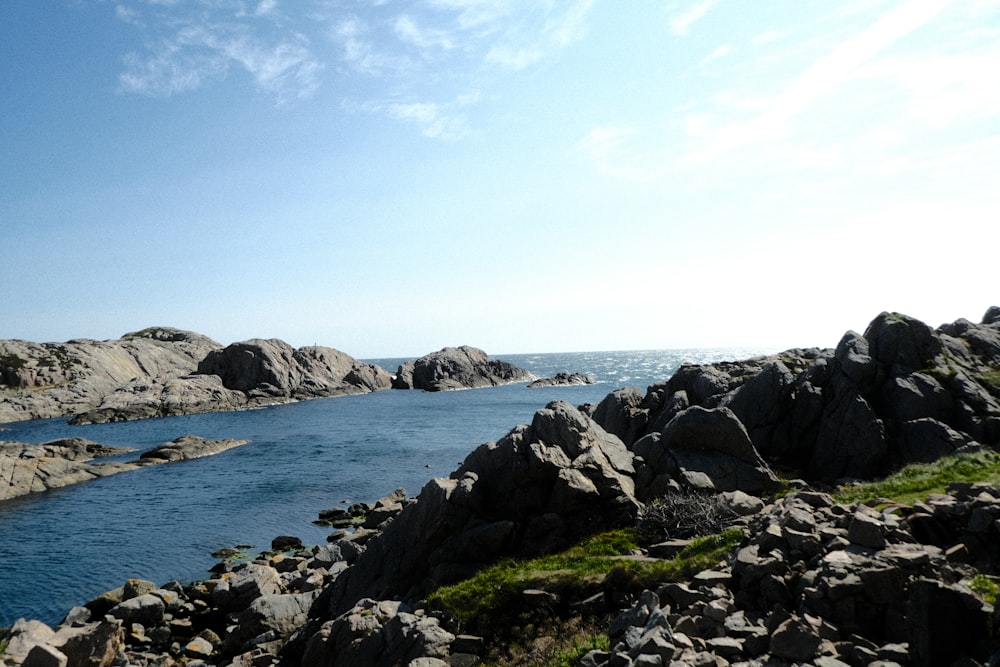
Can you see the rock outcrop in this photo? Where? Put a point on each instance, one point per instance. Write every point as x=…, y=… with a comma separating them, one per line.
x=43, y=380
x=29, y=468
x=462, y=367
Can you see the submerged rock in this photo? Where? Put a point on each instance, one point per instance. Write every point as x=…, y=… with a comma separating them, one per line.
x=563, y=379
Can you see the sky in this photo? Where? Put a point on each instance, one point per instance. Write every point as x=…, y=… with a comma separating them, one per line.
x=388, y=177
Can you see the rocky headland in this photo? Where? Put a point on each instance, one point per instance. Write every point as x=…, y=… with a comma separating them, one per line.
x=33, y=468
x=160, y=372
x=807, y=580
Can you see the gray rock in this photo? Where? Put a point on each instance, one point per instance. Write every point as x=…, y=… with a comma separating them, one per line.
x=866, y=529
x=714, y=443
x=621, y=413
x=146, y=609
x=267, y=619
x=795, y=639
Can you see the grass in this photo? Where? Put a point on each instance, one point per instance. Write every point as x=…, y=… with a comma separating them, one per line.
x=479, y=600
x=490, y=602
x=984, y=587
x=917, y=481
x=990, y=377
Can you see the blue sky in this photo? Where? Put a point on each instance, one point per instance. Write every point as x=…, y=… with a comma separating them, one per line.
x=390, y=177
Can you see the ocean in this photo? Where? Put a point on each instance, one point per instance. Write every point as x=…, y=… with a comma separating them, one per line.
x=64, y=547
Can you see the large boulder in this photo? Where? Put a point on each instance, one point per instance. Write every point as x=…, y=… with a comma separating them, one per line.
x=708, y=449
x=378, y=633
x=462, y=367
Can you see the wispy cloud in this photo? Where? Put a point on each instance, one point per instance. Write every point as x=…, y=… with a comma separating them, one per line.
x=825, y=74
x=717, y=54
x=362, y=52
x=430, y=50
x=681, y=24
x=436, y=120
x=425, y=38
x=524, y=44
x=187, y=50
x=612, y=149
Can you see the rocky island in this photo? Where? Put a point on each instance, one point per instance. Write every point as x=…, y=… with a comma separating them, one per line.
x=713, y=511
x=464, y=367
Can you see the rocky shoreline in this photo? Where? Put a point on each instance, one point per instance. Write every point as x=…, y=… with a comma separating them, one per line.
x=810, y=582
x=34, y=468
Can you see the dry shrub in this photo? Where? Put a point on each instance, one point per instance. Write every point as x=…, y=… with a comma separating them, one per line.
x=683, y=515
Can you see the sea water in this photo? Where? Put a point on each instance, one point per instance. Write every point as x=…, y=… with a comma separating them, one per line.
x=64, y=547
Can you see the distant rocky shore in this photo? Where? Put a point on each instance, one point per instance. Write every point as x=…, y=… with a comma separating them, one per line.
x=160, y=371
x=811, y=582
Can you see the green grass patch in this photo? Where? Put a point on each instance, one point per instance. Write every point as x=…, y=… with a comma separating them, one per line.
x=917, y=481
x=490, y=602
x=985, y=587
x=701, y=554
x=990, y=377
x=496, y=589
